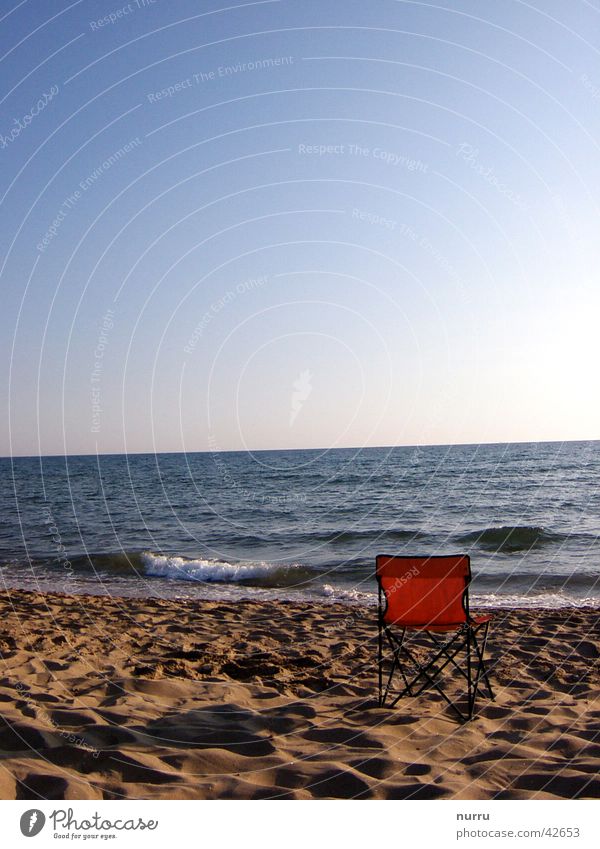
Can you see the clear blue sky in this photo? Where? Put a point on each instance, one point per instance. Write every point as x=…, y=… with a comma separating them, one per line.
x=298, y=224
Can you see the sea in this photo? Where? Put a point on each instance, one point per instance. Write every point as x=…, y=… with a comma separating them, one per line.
x=305, y=525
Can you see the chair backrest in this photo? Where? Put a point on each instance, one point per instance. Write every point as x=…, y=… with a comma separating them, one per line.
x=424, y=591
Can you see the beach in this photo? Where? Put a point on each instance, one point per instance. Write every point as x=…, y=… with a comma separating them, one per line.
x=104, y=697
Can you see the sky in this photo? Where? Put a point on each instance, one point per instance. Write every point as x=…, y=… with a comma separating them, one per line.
x=282, y=224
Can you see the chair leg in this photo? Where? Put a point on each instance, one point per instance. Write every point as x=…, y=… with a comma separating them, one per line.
x=398, y=654
x=463, y=640
x=480, y=671
x=470, y=693
x=430, y=681
x=389, y=681
x=480, y=656
x=396, y=648
x=428, y=671
x=380, y=662
x=443, y=651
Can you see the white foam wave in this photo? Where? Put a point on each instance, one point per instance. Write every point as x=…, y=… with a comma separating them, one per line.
x=541, y=601
x=347, y=595
x=551, y=601
x=200, y=569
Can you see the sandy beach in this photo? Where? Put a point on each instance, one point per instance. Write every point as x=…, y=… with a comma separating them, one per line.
x=125, y=698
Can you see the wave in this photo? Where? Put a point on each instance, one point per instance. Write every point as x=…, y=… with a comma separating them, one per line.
x=147, y=564
x=218, y=571
x=540, y=601
x=511, y=538
x=545, y=600
x=124, y=573
x=116, y=563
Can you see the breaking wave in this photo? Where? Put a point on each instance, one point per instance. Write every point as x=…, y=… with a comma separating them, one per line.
x=218, y=571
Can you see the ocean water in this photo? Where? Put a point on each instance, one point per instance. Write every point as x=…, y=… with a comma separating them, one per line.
x=305, y=524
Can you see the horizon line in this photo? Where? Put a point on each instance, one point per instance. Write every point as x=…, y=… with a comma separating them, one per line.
x=287, y=450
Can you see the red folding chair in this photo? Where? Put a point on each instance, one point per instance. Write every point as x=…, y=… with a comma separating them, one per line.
x=426, y=600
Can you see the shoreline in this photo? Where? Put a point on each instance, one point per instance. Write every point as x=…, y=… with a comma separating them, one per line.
x=353, y=596
x=120, y=697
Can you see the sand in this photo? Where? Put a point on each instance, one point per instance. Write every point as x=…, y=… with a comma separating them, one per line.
x=122, y=698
